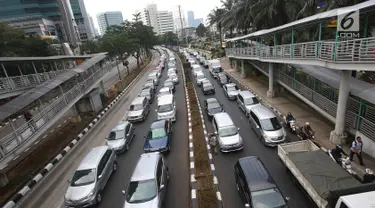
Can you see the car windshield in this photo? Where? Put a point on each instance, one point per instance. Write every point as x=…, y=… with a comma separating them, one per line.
x=251, y=101
x=145, y=93
x=232, y=88
x=228, y=131
x=200, y=76
x=141, y=191
x=114, y=135
x=213, y=105
x=135, y=107
x=270, y=124
x=149, y=84
x=207, y=86
x=83, y=177
x=168, y=84
x=270, y=198
x=217, y=69
x=157, y=133
x=165, y=108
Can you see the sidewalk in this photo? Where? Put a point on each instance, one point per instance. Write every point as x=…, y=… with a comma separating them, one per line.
x=284, y=103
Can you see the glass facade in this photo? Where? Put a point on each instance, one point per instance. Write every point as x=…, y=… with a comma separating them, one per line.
x=10, y=9
x=76, y=9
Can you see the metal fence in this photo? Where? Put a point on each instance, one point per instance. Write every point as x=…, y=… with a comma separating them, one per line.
x=9, y=143
x=360, y=114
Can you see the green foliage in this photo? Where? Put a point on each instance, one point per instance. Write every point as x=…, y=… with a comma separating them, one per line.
x=168, y=38
x=201, y=30
x=13, y=42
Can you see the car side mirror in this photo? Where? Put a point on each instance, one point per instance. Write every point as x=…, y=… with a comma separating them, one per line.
x=155, y=110
x=257, y=127
x=247, y=205
x=127, y=135
x=123, y=192
x=100, y=176
x=287, y=198
x=238, y=129
x=161, y=187
x=215, y=133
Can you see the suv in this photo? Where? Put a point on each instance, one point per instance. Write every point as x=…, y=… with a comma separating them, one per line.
x=148, y=184
x=138, y=109
x=255, y=185
x=246, y=101
x=231, y=91
x=121, y=136
x=222, y=79
x=90, y=178
x=226, y=132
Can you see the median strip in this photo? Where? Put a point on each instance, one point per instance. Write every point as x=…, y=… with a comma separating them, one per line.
x=204, y=184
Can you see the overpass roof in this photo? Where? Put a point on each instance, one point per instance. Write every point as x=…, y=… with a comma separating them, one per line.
x=362, y=7
x=21, y=102
x=45, y=58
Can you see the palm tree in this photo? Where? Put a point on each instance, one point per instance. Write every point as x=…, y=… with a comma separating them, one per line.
x=215, y=17
x=228, y=22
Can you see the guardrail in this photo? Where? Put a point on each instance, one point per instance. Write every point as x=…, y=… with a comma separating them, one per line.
x=349, y=51
x=19, y=136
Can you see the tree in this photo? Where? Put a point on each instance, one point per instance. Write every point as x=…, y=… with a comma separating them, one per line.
x=90, y=46
x=215, y=17
x=201, y=30
x=168, y=38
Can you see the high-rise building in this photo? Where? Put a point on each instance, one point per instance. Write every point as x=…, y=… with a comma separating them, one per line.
x=179, y=18
x=92, y=26
x=40, y=17
x=165, y=21
x=198, y=22
x=82, y=19
x=107, y=19
x=191, y=19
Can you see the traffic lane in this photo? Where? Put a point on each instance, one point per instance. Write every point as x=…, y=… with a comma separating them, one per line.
x=176, y=159
x=49, y=193
x=252, y=146
x=112, y=76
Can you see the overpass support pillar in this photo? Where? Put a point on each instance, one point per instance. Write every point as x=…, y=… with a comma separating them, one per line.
x=271, y=91
x=338, y=135
x=243, y=69
x=102, y=89
x=3, y=180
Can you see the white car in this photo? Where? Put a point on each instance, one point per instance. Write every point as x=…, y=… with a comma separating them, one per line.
x=200, y=77
x=165, y=91
x=171, y=65
x=172, y=71
x=191, y=61
x=197, y=71
x=174, y=78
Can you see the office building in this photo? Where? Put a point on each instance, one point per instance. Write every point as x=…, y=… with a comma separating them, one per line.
x=192, y=21
x=165, y=21
x=107, y=19
x=188, y=31
x=54, y=18
x=92, y=27
x=179, y=18
x=82, y=20
x=149, y=17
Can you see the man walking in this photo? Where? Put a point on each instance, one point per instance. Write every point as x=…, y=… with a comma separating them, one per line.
x=356, y=149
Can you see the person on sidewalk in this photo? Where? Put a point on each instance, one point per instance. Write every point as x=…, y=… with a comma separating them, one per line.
x=29, y=119
x=213, y=142
x=356, y=149
x=337, y=153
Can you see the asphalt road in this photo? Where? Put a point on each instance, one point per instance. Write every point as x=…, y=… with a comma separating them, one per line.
x=224, y=163
x=50, y=192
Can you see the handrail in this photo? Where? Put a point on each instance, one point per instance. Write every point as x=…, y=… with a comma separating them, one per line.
x=348, y=51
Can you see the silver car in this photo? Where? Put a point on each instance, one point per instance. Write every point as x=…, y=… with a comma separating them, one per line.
x=165, y=91
x=200, y=78
x=138, y=109
x=169, y=83
x=121, y=136
x=174, y=78
x=150, y=84
x=246, y=101
x=231, y=91
x=85, y=187
x=226, y=132
x=154, y=77
x=148, y=93
x=148, y=184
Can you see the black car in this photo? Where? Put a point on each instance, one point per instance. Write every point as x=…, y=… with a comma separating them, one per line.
x=255, y=184
x=208, y=88
x=212, y=106
x=159, y=136
x=222, y=79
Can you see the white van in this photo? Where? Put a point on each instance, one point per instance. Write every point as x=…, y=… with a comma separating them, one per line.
x=167, y=108
x=215, y=67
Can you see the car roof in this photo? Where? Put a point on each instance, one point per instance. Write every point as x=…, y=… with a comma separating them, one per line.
x=165, y=99
x=120, y=126
x=246, y=94
x=256, y=174
x=138, y=100
x=263, y=112
x=195, y=66
x=230, y=85
x=164, y=89
x=211, y=100
x=93, y=157
x=223, y=119
x=146, y=167
x=158, y=124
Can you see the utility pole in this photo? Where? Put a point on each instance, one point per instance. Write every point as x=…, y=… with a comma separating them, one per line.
x=182, y=26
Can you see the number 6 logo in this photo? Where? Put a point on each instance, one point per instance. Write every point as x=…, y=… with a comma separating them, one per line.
x=348, y=22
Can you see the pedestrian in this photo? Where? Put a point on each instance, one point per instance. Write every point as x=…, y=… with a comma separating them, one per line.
x=213, y=142
x=356, y=149
x=29, y=120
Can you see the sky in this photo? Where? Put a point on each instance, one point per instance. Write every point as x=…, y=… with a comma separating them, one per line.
x=201, y=8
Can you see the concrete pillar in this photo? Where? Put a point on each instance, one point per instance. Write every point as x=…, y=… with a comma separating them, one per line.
x=3, y=180
x=76, y=118
x=102, y=89
x=271, y=91
x=338, y=135
x=243, y=69
x=235, y=64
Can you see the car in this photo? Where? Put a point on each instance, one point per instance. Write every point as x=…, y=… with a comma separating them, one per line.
x=212, y=106
x=202, y=61
x=148, y=184
x=222, y=79
x=91, y=177
x=205, y=81
x=191, y=61
x=165, y=91
x=246, y=101
x=156, y=72
x=226, y=132
x=169, y=83
x=121, y=136
x=154, y=77
x=166, y=108
x=174, y=78
x=208, y=88
x=195, y=66
x=256, y=185
x=148, y=93
x=159, y=137
x=199, y=78
x=138, y=109
x=171, y=65
x=172, y=70
x=149, y=84
x=231, y=91
x=196, y=71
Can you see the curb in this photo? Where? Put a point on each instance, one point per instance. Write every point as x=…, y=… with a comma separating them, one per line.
x=17, y=197
x=193, y=183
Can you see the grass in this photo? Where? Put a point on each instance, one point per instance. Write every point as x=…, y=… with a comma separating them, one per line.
x=29, y=166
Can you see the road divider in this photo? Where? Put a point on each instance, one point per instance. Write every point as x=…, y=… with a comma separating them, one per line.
x=31, y=184
x=204, y=184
